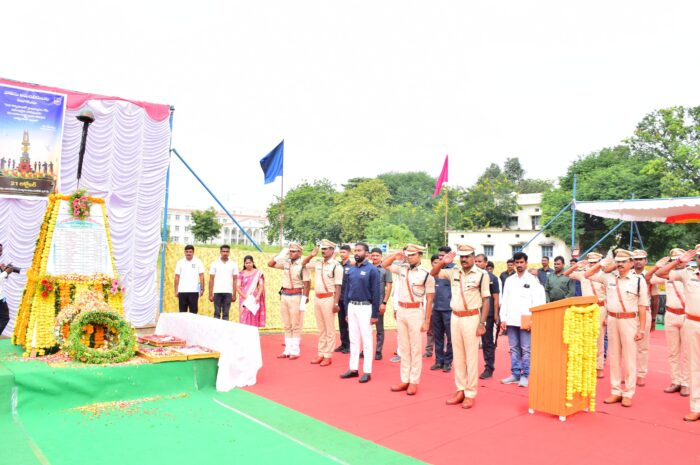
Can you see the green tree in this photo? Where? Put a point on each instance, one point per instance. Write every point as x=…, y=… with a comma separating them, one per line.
x=513, y=170
x=380, y=231
x=489, y=203
x=307, y=212
x=534, y=186
x=205, y=225
x=612, y=174
x=411, y=188
x=356, y=208
x=669, y=139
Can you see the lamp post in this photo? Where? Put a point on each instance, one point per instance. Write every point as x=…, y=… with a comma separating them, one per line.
x=86, y=117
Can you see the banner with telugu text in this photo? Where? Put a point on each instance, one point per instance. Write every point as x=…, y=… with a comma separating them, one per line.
x=31, y=137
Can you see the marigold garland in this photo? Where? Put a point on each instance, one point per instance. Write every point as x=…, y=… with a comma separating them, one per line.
x=122, y=343
x=581, y=330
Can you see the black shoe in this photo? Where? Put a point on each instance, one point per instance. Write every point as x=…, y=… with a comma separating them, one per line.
x=437, y=366
x=345, y=350
x=362, y=355
x=428, y=355
x=365, y=377
x=340, y=348
x=378, y=356
x=447, y=368
x=486, y=374
x=350, y=374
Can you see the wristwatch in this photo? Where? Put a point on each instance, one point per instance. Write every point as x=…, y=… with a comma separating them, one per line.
x=482, y=323
x=384, y=303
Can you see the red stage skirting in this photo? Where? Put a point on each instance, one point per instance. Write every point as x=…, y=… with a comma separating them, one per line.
x=499, y=428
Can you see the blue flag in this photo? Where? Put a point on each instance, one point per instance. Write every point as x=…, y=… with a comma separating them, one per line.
x=273, y=163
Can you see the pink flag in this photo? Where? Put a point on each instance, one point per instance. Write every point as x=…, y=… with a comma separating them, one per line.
x=441, y=179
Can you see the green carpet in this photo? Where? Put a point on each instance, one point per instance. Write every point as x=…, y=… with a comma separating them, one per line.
x=168, y=413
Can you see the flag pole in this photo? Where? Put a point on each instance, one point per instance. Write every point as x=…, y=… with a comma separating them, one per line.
x=446, y=208
x=281, y=208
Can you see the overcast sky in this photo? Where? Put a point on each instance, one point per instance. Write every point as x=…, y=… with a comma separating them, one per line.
x=358, y=88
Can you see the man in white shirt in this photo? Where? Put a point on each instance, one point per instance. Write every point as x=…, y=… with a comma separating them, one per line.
x=222, y=283
x=189, y=281
x=521, y=292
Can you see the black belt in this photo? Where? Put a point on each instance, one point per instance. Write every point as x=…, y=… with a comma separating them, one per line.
x=361, y=302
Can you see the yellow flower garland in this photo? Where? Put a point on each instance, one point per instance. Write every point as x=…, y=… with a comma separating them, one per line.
x=34, y=326
x=581, y=330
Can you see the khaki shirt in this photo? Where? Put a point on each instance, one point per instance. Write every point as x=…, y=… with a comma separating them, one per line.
x=691, y=286
x=294, y=274
x=589, y=287
x=412, y=282
x=674, y=292
x=468, y=289
x=628, y=291
x=652, y=289
x=328, y=274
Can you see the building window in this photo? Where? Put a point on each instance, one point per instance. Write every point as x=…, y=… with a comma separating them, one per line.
x=187, y=217
x=514, y=249
x=462, y=236
x=187, y=240
x=548, y=251
x=535, y=221
x=488, y=250
x=187, y=228
x=170, y=218
x=513, y=222
x=176, y=239
x=537, y=209
x=177, y=228
x=177, y=217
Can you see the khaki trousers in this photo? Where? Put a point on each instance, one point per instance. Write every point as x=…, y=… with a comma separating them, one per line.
x=465, y=350
x=600, y=361
x=291, y=315
x=643, y=349
x=323, y=308
x=408, y=325
x=677, y=348
x=622, y=352
x=691, y=332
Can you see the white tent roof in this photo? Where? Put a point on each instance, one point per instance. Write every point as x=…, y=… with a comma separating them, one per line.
x=676, y=210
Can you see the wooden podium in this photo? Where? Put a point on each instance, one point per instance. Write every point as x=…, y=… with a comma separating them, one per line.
x=548, y=359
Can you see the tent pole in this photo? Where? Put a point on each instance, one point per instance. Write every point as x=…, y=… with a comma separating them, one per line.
x=604, y=237
x=566, y=207
x=573, y=216
x=165, y=218
x=252, y=241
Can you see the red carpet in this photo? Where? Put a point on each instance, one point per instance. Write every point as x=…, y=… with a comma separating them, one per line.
x=498, y=429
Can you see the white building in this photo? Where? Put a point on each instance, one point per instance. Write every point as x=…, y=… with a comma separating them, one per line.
x=499, y=244
x=255, y=224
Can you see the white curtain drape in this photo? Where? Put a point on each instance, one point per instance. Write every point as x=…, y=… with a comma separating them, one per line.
x=125, y=163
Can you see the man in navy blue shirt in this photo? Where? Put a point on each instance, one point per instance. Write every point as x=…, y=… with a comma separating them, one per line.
x=361, y=297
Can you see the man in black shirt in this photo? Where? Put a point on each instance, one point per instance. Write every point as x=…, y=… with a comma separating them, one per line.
x=488, y=341
x=361, y=298
x=510, y=270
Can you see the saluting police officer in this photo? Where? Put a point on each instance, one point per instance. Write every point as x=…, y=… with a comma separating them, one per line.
x=328, y=281
x=590, y=288
x=470, y=310
x=627, y=300
x=412, y=314
x=690, y=277
x=673, y=324
x=296, y=283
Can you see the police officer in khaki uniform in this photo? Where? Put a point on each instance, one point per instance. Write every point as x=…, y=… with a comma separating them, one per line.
x=673, y=325
x=627, y=303
x=470, y=310
x=590, y=288
x=328, y=281
x=296, y=282
x=412, y=313
x=639, y=262
x=690, y=277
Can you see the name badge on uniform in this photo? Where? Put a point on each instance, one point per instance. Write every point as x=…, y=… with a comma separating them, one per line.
x=362, y=273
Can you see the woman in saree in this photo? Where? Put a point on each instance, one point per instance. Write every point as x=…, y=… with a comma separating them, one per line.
x=251, y=289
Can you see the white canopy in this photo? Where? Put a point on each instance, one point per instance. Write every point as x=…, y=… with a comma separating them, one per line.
x=676, y=210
